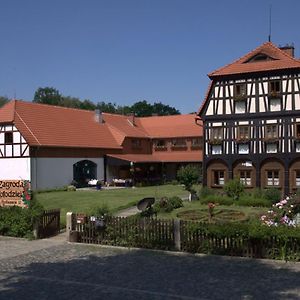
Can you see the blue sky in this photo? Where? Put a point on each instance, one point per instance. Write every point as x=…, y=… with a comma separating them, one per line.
x=124, y=51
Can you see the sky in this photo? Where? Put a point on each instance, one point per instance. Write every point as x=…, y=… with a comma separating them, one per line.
x=124, y=51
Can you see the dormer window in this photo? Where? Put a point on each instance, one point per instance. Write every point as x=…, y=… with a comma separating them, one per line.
x=8, y=138
x=136, y=144
x=178, y=143
x=259, y=57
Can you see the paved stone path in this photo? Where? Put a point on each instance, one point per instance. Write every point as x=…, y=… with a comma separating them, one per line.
x=54, y=269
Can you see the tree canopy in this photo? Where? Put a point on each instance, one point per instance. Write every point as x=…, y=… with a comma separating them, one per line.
x=50, y=95
x=3, y=100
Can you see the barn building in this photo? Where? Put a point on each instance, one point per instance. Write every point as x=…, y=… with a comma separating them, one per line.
x=52, y=146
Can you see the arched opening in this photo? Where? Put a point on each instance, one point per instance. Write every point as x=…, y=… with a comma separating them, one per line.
x=272, y=174
x=294, y=176
x=217, y=174
x=245, y=171
x=84, y=171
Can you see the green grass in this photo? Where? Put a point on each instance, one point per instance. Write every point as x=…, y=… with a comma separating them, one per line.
x=86, y=201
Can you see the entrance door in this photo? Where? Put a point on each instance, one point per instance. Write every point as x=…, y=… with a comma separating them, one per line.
x=84, y=171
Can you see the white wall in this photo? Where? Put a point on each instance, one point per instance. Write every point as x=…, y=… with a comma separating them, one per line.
x=15, y=168
x=57, y=172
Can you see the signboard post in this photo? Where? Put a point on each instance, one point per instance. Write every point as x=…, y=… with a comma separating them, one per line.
x=15, y=192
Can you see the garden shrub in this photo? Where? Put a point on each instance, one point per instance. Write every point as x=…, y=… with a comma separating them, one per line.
x=234, y=188
x=176, y=202
x=188, y=176
x=19, y=222
x=166, y=204
x=205, y=191
x=250, y=200
x=101, y=211
x=217, y=199
x=272, y=194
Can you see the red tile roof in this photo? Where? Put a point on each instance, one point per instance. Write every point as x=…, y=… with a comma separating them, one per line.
x=194, y=156
x=123, y=126
x=278, y=60
x=170, y=126
x=47, y=125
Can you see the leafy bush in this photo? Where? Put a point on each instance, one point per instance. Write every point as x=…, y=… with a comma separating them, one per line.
x=101, y=211
x=188, y=176
x=217, y=199
x=18, y=222
x=234, y=188
x=176, y=202
x=272, y=194
x=250, y=200
x=166, y=204
x=205, y=191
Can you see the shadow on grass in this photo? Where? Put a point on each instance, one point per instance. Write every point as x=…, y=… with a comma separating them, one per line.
x=102, y=273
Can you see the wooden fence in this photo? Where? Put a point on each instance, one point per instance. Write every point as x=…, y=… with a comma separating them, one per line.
x=48, y=223
x=186, y=236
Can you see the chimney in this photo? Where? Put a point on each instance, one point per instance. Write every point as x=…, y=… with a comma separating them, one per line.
x=289, y=49
x=98, y=116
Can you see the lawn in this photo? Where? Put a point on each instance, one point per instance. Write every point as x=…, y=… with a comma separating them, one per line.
x=86, y=201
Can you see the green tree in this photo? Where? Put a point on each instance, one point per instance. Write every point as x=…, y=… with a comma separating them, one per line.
x=3, y=100
x=68, y=101
x=142, y=109
x=47, y=95
x=163, y=110
x=107, y=107
x=188, y=176
x=234, y=188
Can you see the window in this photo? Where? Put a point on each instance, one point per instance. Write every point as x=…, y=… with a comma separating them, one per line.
x=240, y=106
x=271, y=147
x=160, y=144
x=178, y=143
x=245, y=177
x=297, y=130
x=271, y=131
x=8, y=138
x=216, y=149
x=216, y=134
x=274, y=88
x=240, y=91
x=196, y=143
x=136, y=144
x=297, y=178
x=243, y=133
x=218, y=177
x=274, y=104
x=243, y=148
x=273, y=178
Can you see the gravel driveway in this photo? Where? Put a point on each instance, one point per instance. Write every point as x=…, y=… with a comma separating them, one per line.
x=54, y=269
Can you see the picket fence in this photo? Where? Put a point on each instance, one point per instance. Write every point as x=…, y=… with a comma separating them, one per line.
x=180, y=235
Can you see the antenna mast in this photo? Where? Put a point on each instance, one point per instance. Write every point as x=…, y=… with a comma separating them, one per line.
x=270, y=22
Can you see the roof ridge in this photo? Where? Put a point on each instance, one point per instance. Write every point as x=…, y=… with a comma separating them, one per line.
x=50, y=105
x=237, y=60
x=27, y=127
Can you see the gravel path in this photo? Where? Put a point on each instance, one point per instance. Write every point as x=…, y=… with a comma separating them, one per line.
x=54, y=269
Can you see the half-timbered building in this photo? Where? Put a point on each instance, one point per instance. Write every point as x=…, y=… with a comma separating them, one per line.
x=251, y=117
x=52, y=146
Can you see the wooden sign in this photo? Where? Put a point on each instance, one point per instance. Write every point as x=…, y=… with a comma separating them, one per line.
x=15, y=192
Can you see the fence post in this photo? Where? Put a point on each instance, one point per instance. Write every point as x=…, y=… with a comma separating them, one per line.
x=177, y=239
x=70, y=226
